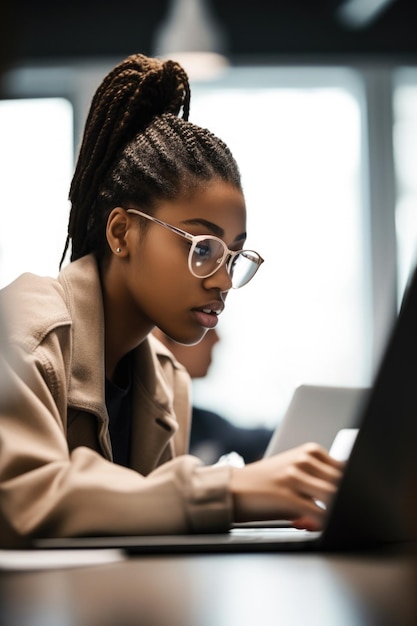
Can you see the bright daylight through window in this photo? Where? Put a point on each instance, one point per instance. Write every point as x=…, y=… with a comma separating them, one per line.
x=304, y=318
x=36, y=156
x=405, y=141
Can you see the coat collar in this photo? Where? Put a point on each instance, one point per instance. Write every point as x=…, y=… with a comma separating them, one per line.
x=81, y=282
x=160, y=426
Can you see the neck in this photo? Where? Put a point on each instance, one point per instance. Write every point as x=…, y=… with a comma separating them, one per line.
x=124, y=328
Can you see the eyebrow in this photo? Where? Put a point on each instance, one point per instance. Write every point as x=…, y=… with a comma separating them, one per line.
x=214, y=228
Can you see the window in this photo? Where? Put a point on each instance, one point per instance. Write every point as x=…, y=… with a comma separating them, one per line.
x=405, y=148
x=296, y=135
x=36, y=155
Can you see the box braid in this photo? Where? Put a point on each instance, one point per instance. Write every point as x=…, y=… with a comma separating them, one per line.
x=137, y=150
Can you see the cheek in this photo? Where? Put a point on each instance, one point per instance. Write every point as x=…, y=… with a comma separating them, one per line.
x=168, y=267
x=163, y=280
x=163, y=289
x=164, y=253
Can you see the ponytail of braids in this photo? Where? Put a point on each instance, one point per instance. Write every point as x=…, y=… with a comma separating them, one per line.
x=136, y=149
x=132, y=94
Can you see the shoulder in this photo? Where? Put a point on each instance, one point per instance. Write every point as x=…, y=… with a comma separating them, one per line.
x=32, y=306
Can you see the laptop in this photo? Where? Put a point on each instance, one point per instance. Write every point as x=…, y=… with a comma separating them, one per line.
x=371, y=507
x=317, y=413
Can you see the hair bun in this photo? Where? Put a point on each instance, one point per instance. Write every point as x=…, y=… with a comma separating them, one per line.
x=165, y=89
x=149, y=87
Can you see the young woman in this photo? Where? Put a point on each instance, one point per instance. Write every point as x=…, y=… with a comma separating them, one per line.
x=94, y=425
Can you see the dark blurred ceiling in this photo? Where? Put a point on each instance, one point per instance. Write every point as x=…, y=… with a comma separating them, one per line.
x=64, y=29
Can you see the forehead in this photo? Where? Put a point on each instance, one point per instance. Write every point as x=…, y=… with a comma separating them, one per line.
x=218, y=203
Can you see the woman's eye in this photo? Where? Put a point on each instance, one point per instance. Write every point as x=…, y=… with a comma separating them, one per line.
x=203, y=250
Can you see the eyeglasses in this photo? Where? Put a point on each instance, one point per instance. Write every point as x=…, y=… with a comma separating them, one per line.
x=208, y=253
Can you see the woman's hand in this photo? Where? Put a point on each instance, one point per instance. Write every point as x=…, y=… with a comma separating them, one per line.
x=287, y=486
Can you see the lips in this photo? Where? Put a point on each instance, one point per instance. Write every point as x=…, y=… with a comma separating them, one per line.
x=207, y=315
x=215, y=307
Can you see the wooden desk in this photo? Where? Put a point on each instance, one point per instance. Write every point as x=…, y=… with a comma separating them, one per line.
x=217, y=590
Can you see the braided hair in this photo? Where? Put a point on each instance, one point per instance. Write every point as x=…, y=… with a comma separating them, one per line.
x=136, y=149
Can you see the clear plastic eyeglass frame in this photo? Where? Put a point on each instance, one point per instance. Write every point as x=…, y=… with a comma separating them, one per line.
x=248, y=258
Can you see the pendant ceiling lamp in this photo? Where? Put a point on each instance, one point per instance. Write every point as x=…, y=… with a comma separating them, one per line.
x=192, y=36
x=361, y=13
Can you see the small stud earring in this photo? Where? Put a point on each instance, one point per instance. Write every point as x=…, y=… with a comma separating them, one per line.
x=118, y=250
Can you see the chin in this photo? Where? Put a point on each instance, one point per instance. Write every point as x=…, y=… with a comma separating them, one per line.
x=190, y=340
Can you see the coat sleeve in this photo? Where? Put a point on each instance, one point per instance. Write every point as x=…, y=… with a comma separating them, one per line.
x=48, y=491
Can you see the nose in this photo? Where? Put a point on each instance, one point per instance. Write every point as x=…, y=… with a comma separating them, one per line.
x=220, y=280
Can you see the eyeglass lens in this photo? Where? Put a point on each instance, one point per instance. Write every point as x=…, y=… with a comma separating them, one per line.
x=208, y=254
x=242, y=268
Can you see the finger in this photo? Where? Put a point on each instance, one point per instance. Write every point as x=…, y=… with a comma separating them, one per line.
x=316, y=451
x=312, y=516
x=325, y=473
x=320, y=489
x=322, y=466
x=308, y=523
x=313, y=487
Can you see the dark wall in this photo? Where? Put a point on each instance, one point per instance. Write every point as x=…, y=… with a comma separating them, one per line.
x=79, y=28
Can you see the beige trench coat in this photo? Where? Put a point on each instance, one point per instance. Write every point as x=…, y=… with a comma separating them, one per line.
x=57, y=477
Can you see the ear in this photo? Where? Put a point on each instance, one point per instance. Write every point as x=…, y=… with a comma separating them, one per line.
x=118, y=224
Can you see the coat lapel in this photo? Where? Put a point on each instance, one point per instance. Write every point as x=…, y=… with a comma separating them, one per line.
x=160, y=428
x=161, y=386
